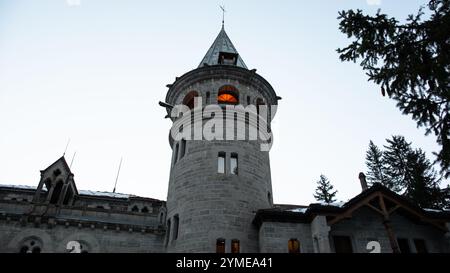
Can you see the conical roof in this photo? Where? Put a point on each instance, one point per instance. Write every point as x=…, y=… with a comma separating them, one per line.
x=222, y=44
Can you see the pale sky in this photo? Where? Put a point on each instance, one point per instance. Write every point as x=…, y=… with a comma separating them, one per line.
x=94, y=71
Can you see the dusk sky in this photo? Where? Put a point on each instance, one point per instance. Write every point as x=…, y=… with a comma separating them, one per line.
x=94, y=71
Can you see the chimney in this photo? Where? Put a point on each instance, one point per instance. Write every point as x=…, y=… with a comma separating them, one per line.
x=362, y=179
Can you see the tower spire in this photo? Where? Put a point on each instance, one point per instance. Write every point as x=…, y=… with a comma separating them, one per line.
x=223, y=16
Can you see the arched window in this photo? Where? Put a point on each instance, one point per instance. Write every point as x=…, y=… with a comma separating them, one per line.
x=228, y=94
x=144, y=210
x=293, y=246
x=30, y=245
x=56, y=192
x=189, y=99
x=135, y=209
x=220, y=245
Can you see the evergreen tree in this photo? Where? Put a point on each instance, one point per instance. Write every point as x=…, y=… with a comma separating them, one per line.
x=375, y=166
x=406, y=171
x=395, y=159
x=410, y=61
x=423, y=184
x=324, y=190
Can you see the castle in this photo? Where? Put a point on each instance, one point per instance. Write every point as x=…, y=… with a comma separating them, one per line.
x=220, y=190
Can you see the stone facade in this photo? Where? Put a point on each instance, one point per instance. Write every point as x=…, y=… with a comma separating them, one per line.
x=220, y=193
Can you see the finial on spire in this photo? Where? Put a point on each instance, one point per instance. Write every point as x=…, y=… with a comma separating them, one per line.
x=223, y=15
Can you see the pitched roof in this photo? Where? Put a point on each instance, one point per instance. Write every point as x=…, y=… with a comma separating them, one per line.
x=221, y=44
x=305, y=214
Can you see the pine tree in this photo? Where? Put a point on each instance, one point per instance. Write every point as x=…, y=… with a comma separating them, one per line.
x=395, y=158
x=408, y=171
x=409, y=60
x=423, y=184
x=375, y=166
x=324, y=190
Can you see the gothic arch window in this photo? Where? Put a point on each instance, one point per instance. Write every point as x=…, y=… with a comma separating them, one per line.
x=228, y=94
x=135, y=209
x=144, y=210
x=30, y=245
x=189, y=99
x=56, y=192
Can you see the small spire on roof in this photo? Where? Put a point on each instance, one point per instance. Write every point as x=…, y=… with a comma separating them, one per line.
x=223, y=16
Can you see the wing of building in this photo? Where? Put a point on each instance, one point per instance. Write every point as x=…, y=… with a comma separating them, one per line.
x=220, y=190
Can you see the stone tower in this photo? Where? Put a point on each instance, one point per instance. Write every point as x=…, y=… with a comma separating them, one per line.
x=217, y=185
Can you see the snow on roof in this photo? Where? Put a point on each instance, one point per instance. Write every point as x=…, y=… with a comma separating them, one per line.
x=300, y=210
x=81, y=192
x=104, y=194
x=23, y=187
x=334, y=204
x=432, y=210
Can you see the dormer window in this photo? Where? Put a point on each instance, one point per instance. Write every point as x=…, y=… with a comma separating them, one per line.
x=227, y=58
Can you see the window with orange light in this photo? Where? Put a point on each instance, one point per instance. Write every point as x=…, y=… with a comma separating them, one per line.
x=293, y=246
x=228, y=95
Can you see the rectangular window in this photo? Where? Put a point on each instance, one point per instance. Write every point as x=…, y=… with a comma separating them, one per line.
x=175, y=154
x=234, y=163
x=220, y=245
x=182, y=148
x=235, y=246
x=420, y=245
x=403, y=244
x=342, y=244
x=221, y=162
x=293, y=246
x=168, y=232
x=176, y=223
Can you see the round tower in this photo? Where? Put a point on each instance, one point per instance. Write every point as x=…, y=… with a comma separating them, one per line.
x=218, y=179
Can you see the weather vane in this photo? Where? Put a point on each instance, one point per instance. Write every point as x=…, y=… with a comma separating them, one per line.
x=223, y=15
